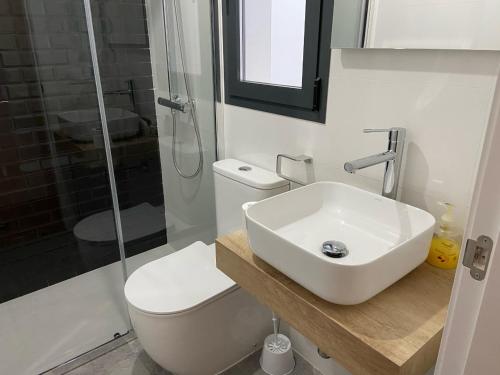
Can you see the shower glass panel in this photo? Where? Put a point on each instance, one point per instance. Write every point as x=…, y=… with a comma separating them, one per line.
x=124, y=59
x=61, y=273
x=180, y=41
x=61, y=279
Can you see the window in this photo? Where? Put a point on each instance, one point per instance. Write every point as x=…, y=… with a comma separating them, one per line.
x=277, y=55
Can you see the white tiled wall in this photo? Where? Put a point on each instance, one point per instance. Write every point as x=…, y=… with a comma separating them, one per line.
x=189, y=203
x=443, y=98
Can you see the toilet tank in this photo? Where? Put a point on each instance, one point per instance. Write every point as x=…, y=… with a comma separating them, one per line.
x=237, y=182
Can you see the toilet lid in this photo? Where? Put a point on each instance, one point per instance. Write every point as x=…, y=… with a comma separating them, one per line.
x=177, y=282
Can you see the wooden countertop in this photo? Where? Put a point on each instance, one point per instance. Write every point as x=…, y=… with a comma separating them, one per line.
x=396, y=332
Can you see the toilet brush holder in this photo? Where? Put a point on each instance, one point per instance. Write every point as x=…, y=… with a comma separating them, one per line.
x=277, y=355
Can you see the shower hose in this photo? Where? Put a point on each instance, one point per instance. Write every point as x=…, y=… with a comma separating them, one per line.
x=191, y=106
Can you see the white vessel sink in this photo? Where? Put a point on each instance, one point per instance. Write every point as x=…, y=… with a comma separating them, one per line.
x=385, y=239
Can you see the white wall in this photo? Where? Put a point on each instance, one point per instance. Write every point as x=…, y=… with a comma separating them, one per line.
x=443, y=98
x=189, y=203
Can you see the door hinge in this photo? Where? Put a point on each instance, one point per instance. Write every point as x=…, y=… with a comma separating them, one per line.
x=317, y=93
x=477, y=256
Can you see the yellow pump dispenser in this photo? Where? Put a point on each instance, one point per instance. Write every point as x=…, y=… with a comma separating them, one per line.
x=445, y=245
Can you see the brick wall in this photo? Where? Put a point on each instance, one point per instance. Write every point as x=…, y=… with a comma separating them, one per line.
x=49, y=182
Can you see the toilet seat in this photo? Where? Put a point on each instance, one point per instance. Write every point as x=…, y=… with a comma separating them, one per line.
x=179, y=282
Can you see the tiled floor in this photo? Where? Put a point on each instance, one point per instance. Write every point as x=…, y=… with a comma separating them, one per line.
x=251, y=366
x=130, y=359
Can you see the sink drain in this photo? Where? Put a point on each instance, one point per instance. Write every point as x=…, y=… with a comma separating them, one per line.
x=334, y=249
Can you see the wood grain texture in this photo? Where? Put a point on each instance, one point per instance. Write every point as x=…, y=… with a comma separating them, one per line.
x=396, y=332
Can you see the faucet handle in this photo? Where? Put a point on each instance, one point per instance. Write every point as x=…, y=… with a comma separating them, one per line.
x=378, y=130
x=395, y=133
x=389, y=130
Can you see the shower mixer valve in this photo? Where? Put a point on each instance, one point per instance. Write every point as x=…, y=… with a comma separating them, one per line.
x=175, y=104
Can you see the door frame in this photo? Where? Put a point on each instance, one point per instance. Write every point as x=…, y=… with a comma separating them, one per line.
x=467, y=293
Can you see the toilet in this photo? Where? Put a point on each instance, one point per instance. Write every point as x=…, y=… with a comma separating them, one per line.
x=190, y=317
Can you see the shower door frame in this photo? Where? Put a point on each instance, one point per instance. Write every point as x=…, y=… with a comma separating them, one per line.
x=107, y=138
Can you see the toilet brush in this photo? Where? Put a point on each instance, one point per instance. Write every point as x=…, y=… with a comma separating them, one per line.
x=277, y=355
x=276, y=327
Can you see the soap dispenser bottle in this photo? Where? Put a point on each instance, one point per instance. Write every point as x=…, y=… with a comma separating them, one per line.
x=445, y=246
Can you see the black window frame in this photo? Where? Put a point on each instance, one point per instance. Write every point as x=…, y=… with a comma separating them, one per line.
x=307, y=102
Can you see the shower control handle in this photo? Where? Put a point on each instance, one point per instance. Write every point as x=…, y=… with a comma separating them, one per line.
x=176, y=105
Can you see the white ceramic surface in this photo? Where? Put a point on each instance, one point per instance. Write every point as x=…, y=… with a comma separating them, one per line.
x=204, y=340
x=179, y=282
x=386, y=239
x=189, y=316
x=253, y=185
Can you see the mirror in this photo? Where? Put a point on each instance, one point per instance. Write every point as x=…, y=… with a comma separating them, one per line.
x=417, y=24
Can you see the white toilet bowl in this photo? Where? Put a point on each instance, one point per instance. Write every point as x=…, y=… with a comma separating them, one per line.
x=190, y=317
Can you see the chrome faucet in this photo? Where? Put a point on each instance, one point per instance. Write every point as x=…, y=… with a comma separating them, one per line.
x=392, y=157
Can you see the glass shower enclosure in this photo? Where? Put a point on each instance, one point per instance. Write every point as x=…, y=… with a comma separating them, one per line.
x=96, y=177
